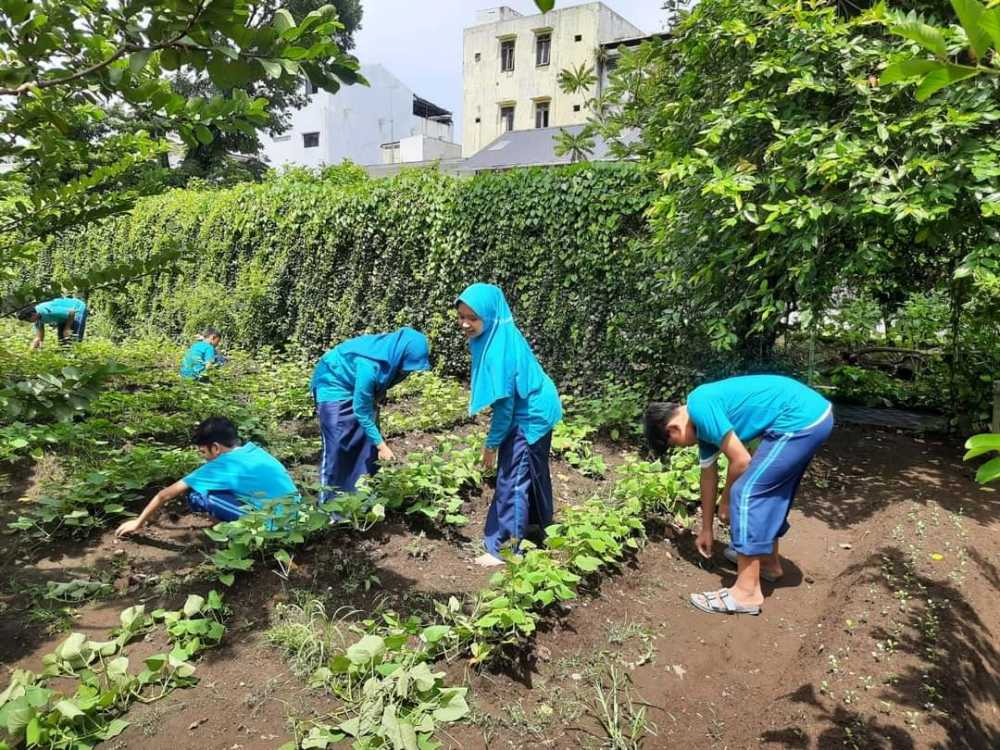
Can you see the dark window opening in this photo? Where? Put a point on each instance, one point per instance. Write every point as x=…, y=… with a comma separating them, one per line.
x=506, y=119
x=578, y=38
x=543, y=49
x=576, y=107
x=478, y=57
x=310, y=140
x=541, y=114
x=507, y=55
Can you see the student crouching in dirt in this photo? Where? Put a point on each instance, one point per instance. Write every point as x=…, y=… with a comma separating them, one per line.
x=202, y=355
x=234, y=479
x=793, y=421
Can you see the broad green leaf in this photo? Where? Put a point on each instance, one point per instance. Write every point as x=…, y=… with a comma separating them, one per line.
x=904, y=71
x=970, y=14
x=943, y=76
x=193, y=605
x=927, y=36
x=586, y=563
x=369, y=648
x=203, y=134
x=545, y=5
x=977, y=445
x=989, y=471
x=990, y=21
x=68, y=709
x=435, y=633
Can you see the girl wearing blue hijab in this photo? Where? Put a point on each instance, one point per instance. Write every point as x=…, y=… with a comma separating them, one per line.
x=507, y=377
x=347, y=383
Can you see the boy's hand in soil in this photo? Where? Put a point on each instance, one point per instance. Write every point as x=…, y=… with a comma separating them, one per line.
x=704, y=542
x=385, y=452
x=129, y=527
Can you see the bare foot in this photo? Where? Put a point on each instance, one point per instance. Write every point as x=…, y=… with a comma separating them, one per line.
x=486, y=560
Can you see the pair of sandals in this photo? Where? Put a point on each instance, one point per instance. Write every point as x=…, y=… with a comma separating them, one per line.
x=722, y=602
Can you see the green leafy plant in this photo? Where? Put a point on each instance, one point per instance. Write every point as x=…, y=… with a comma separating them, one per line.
x=39, y=716
x=980, y=445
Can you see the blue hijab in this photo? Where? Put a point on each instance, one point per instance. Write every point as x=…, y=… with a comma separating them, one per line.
x=397, y=354
x=503, y=364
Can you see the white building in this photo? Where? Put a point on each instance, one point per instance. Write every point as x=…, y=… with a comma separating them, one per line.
x=366, y=124
x=511, y=66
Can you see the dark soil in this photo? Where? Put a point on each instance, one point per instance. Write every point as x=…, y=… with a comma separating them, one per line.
x=883, y=633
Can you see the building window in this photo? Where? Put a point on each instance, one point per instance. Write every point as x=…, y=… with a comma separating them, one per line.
x=310, y=140
x=507, y=55
x=576, y=107
x=506, y=119
x=541, y=114
x=311, y=88
x=578, y=38
x=478, y=57
x=477, y=121
x=543, y=46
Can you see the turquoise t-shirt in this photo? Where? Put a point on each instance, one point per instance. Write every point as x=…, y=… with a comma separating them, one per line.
x=249, y=472
x=197, y=359
x=55, y=311
x=751, y=405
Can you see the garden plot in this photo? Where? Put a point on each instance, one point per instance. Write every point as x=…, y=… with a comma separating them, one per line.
x=586, y=643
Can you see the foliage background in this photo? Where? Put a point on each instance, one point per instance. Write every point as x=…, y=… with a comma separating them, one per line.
x=311, y=260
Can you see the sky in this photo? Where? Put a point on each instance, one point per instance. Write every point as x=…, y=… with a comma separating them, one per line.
x=420, y=41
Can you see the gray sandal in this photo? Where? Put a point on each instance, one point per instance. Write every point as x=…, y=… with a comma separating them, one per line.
x=721, y=603
x=733, y=556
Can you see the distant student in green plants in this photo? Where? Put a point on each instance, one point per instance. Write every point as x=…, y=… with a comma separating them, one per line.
x=793, y=421
x=233, y=478
x=526, y=407
x=202, y=355
x=67, y=314
x=347, y=384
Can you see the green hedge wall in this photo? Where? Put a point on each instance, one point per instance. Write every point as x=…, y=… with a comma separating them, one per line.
x=310, y=261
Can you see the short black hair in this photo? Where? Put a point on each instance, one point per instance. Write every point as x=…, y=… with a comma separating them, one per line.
x=26, y=312
x=216, y=430
x=658, y=413
x=209, y=332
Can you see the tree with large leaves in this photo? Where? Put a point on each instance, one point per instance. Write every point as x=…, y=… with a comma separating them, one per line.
x=792, y=177
x=65, y=64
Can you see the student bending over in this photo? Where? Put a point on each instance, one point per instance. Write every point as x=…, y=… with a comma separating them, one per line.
x=233, y=477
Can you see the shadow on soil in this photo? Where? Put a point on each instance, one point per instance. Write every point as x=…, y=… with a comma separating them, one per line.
x=953, y=663
x=860, y=471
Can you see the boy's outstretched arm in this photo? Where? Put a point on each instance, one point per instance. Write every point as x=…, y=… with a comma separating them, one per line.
x=739, y=459
x=160, y=499
x=36, y=343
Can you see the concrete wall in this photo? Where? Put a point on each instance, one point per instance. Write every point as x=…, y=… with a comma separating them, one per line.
x=353, y=123
x=487, y=88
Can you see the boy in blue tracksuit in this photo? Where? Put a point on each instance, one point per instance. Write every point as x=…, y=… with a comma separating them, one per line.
x=526, y=407
x=232, y=478
x=202, y=355
x=793, y=421
x=67, y=314
x=347, y=384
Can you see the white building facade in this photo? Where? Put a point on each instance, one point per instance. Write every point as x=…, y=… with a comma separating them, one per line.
x=511, y=66
x=362, y=123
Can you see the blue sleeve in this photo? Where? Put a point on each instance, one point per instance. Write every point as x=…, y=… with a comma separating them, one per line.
x=708, y=454
x=211, y=476
x=710, y=420
x=365, y=386
x=501, y=422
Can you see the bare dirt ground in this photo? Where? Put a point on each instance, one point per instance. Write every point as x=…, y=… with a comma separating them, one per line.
x=883, y=633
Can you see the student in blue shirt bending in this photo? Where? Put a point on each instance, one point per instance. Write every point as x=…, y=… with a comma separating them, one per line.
x=793, y=421
x=232, y=478
x=202, y=355
x=67, y=314
x=526, y=406
x=347, y=384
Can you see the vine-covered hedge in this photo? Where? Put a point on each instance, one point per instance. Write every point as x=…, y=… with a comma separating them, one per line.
x=311, y=261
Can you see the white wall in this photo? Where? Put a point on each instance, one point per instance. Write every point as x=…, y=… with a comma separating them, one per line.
x=487, y=88
x=352, y=124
